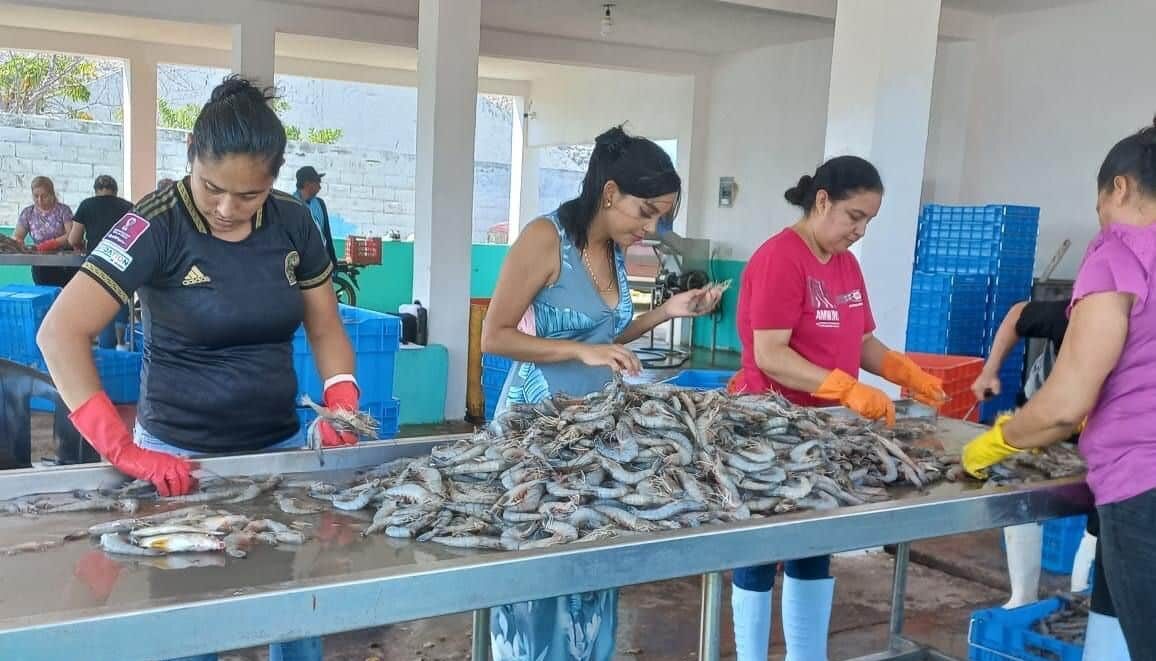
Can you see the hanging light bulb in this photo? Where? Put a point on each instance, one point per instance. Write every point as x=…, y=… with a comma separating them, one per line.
x=607, y=20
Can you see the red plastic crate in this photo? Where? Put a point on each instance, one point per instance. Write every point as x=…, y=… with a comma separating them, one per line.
x=363, y=250
x=958, y=373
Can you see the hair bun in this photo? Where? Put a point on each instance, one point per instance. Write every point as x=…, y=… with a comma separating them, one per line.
x=235, y=85
x=797, y=195
x=614, y=140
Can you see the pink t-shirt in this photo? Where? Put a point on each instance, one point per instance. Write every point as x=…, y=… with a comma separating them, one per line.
x=1119, y=441
x=825, y=306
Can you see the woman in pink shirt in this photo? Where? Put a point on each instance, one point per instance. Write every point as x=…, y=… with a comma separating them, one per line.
x=1107, y=372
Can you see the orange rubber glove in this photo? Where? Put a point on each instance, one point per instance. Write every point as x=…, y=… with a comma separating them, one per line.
x=902, y=371
x=340, y=395
x=871, y=403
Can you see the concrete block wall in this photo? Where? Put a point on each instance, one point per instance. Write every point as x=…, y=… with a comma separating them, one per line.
x=367, y=191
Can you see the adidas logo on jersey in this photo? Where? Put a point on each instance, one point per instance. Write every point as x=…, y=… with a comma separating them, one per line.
x=195, y=277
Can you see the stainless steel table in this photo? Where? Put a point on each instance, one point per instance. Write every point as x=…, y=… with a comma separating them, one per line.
x=74, y=259
x=323, y=588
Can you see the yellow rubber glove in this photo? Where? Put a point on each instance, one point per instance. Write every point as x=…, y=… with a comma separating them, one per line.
x=871, y=403
x=902, y=371
x=987, y=449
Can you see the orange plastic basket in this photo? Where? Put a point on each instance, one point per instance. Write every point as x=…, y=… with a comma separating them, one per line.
x=958, y=373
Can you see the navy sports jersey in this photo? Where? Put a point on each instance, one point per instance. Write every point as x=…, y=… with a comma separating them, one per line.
x=218, y=317
x=98, y=214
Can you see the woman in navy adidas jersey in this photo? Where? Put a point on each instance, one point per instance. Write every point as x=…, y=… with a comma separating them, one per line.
x=227, y=269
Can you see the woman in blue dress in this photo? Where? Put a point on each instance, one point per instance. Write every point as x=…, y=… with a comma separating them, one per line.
x=562, y=312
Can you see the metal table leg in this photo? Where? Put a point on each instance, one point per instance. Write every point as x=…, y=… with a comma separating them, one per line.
x=711, y=622
x=480, y=648
x=899, y=589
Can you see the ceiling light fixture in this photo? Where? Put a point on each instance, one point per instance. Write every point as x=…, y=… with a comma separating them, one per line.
x=607, y=20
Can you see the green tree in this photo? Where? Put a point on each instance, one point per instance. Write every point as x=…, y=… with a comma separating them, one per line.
x=46, y=83
x=324, y=136
x=181, y=117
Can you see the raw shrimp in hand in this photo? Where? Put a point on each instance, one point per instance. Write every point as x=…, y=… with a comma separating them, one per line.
x=693, y=303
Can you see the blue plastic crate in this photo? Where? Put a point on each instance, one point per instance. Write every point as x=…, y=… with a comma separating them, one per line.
x=119, y=374
x=997, y=634
x=32, y=289
x=375, y=339
x=387, y=414
x=1061, y=541
x=947, y=313
x=21, y=313
x=496, y=362
x=984, y=240
x=702, y=379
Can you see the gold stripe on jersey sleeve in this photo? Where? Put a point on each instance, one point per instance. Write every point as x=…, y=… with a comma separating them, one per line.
x=286, y=197
x=157, y=205
x=317, y=281
x=259, y=218
x=104, y=278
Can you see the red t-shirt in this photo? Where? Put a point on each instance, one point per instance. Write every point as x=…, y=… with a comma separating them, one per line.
x=825, y=306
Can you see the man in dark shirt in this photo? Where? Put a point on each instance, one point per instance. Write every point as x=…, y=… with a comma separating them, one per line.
x=93, y=218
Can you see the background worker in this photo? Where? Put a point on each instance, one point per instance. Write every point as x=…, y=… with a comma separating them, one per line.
x=1104, y=638
x=94, y=218
x=227, y=270
x=48, y=222
x=1106, y=374
x=308, y=187
x=562, y=311
x=804, y=320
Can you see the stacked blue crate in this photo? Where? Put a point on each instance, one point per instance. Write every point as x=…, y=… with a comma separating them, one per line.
x=375, y=337
x=946, y=313
x=494, y=372
x=998, y=241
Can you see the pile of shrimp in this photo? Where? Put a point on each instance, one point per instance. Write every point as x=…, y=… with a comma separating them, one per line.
x=636, y=458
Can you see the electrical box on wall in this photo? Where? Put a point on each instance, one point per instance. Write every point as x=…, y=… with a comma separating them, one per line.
x=726, y=192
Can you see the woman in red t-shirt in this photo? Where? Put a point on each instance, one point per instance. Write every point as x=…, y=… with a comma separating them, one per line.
x=805, y=323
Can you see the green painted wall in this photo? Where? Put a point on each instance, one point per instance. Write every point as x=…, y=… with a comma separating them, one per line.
x=727, y=337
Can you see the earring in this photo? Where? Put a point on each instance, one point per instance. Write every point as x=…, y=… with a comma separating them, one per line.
x=607, y=204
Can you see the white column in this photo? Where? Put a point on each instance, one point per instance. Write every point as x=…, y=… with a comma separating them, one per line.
x=531, y=203
x=517, y=162
x=447, y=68
x=140, y=127
x=879, y=108
x=692, y=162
x=253, y=55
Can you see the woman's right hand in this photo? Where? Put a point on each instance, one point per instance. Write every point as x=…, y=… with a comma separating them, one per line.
x=986, y=385
x=615, y=356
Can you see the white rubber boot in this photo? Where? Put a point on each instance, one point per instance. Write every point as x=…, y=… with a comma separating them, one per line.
x=807, y=617
x=1104, y=639
x=1024, y=551
x=752, y=620
x=1082, y=567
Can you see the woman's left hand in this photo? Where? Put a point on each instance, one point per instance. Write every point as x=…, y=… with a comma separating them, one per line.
x=693, y=303
x=342, y=395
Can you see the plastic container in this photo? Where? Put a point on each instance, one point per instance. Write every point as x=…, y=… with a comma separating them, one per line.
x=702, y=379
x=21, y=313
x=387, y=414
x=958, y=373
x=119, y=374
x=1061, y=541
x=947, y=313
x=375, y=339
x=363, y=250
x=997, y=634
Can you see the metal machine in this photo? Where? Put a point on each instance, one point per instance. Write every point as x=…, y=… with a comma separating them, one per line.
x=663, y=265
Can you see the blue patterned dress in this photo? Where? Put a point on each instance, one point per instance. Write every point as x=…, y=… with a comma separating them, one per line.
x=577, y=627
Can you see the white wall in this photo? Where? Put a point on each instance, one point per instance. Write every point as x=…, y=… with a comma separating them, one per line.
x=572, y=105
x=951, y=103
x=767, y=121
x=1054, y=91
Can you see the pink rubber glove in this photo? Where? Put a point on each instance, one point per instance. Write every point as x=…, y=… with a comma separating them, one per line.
x=341, y=395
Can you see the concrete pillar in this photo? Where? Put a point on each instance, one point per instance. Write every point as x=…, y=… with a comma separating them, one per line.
x=692, y=163
x=447, y=69
x=517, y=162
x=253, y=54
x=531, y=204
x=140, y=127
x=879, y=108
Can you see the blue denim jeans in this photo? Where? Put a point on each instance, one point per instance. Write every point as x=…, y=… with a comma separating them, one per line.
x=107, y=337
x=306, y=649
x=761, y=578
